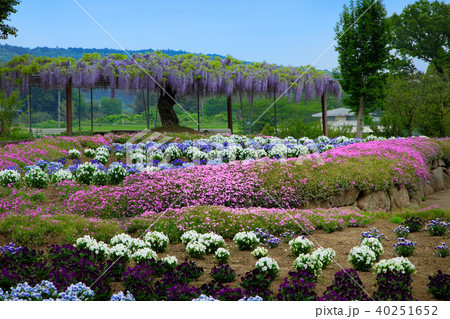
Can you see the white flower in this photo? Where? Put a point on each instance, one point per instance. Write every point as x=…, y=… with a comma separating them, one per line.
x=190, y=235
x=400, y=264
x=144, y=254
x=260, y=252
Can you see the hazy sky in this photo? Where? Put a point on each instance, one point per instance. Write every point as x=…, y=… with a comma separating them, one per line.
x=287, y=32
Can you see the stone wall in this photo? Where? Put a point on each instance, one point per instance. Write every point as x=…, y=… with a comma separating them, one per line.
x=393, y=198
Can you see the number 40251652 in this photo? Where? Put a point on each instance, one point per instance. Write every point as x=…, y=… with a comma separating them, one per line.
x=407, y=310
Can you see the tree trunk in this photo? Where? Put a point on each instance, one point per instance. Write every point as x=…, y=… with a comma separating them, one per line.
x=242, y=112
x=69, y=107
x=230, y=114
x=360, y=123
x=165, y=107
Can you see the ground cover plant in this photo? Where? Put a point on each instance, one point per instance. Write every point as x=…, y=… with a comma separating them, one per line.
x=224, y=240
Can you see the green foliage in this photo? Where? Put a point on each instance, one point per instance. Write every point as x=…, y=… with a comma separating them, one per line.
x=422, y=31
x=6, y=8
x=9, y=107
x=362, y=35
x=44, y=229
x=110, y=106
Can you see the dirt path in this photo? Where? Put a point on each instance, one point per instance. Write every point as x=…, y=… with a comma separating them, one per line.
x=441, y=198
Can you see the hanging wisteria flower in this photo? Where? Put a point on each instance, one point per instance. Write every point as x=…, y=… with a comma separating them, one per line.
x=143, y=255
x=73, y=154
x=158, y=241
x=437, y=227
x=121, y=297
x=325, y=256
x=37, y=178
x=170, y=261
x=222, y=255
x=190, y=235
x=90, y=153
x=260, y=252
x=246, y=240
x=309, y=263
x=300, y=245
x=374, y=244
x=442, y=250
x=362, y=258
x=196, y=250
x=9, y=177
x=404, y=248
x=401, y=231
x=268, y=265
x=400, y=264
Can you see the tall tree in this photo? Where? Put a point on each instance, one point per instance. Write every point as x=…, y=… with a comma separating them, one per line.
x=422, y=31
x=363, y=35
x=6, y=8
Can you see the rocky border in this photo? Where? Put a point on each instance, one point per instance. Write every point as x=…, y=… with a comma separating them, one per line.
x=390, y=199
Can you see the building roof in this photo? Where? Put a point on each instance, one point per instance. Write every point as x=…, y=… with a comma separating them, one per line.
x=336, y=112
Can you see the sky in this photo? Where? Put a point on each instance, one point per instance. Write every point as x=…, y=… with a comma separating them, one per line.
x=285, y=32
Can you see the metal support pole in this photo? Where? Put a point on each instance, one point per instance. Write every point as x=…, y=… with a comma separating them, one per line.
x=275, y=110
x=79, y=109
x=29, y=107
x=92, y=115
x=156, y=108
x=198, y=109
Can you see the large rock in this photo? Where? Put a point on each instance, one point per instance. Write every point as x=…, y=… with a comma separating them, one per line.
x=319, y=204
x=441, y=162
x=346, y=198
x=419, y=195
x=437, y=179
x=374, y=201
x=399, y=198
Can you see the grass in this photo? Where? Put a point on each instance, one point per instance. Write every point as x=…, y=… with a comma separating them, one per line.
x=45, y=228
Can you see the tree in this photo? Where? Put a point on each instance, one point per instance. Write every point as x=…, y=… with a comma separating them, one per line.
x=422, y=31
x=110, y=106
x=6, y=8
x=362, y=35
x=9, y=107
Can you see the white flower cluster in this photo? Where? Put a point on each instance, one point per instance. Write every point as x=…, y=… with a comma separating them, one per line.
x=172, y=152
x=85, y=172
x=310, y=263
x=362, y=257
x=323, y=139
x=61, y=175
x=8, y=177
x=119, y=251
x=73, y=154
x=267, y=264
x=138, y=157
x=89, y=153
x=121, y=239
x=190, y=235
x=297, y=150
x=171, y=261
x=157, y=240
x=374, y=244
x=37, y=178
x=211, y=241
x=117, y=174
x=194, y=153
x=246, y=240
x=300, y=245
x=196, y=250
x=222, y=254
x=325, y=256
x=400, y=264
x=279, y=150
x=144, y=254
x=260, y=252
